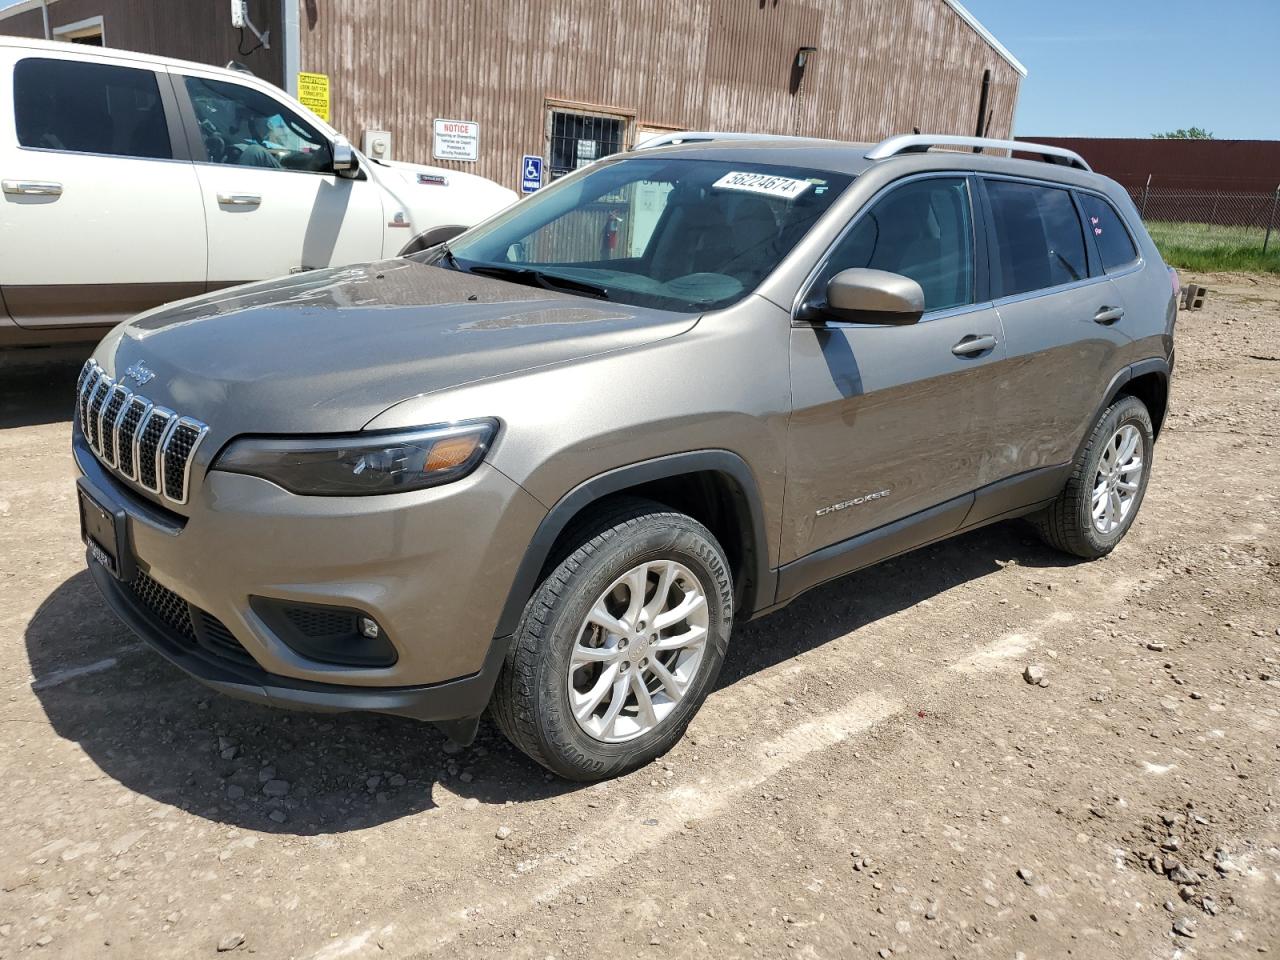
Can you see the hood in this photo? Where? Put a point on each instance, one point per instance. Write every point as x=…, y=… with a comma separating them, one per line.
x=327, y=351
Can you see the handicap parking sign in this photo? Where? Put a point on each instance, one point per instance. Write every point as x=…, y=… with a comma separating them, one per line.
x=530, y=173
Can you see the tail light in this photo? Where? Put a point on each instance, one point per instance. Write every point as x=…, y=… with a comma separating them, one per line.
x=1173, y=278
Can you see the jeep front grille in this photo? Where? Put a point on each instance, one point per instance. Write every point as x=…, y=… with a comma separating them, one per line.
x=150, y=445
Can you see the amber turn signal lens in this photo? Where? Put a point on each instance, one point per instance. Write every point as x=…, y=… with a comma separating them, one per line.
x=449, y=453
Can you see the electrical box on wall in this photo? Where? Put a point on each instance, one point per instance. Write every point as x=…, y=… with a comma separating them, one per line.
x=377, y=144
x=239, y=13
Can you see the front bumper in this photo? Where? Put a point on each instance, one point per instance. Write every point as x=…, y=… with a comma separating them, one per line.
x=432, y=567
x=463, y=697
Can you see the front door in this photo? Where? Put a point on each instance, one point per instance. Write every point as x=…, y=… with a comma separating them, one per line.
x=100, y=215
x=272, y=201
x=889, y=421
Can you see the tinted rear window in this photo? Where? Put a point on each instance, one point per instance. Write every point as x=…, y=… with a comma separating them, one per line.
x=1114, y=243
x=1038, y=239
x=89, y=108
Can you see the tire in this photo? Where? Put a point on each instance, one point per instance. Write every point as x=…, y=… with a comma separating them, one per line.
x=536, y=695
x=1068, y=523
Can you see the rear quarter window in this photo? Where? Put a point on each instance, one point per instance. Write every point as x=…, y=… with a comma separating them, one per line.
x=1115, y=246
x=89, y=108
x=1039, y=242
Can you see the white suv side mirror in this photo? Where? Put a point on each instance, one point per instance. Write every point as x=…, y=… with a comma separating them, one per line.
x=344, y=158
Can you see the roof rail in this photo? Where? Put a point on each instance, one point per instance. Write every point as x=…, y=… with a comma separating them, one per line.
x=921, y=143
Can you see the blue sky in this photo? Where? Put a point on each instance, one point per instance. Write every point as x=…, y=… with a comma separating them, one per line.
x=1130, y=68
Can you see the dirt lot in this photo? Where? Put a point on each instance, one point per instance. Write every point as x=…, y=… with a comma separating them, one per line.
x=873, y=778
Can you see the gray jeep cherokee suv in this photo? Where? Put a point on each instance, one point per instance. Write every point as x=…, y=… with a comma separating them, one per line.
x=541, y=470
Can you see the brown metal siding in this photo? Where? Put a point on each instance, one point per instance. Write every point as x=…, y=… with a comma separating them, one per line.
x=198, y=30
x=882, y=67
x=1241, y=166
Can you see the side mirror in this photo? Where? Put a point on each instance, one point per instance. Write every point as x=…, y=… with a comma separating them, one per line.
x=872, y=296
x=344, y=158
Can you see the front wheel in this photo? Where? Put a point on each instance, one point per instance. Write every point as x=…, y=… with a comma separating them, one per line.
x=620, y=645
x=1107, y=484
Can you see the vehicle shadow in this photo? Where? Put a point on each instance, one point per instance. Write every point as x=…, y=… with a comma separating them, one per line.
x=39, y=386
x=159, y=733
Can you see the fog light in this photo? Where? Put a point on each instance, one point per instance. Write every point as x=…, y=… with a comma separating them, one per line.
x=368, y=628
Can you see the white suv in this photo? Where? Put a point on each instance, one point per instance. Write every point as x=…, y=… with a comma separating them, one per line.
x=130, y=180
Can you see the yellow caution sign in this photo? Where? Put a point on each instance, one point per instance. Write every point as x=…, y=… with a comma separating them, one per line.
x=313, y=92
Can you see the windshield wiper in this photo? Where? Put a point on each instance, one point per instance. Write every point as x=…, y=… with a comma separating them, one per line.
x=540, y=278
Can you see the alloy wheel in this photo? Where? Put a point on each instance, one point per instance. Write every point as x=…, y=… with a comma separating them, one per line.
x=638, y=651
x=1119, y=477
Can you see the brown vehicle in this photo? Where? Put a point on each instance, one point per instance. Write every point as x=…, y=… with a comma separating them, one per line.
x=540, y=470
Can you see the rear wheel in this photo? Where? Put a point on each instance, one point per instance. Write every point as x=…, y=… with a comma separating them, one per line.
x=1102, y=497
x=620, y=645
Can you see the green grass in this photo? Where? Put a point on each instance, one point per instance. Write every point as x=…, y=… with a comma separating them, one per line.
x=1210, y=248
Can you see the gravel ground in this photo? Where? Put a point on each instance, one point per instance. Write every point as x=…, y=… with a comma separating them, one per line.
x=874, y=777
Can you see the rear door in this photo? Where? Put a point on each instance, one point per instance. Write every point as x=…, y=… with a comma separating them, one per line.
x=100, y=215
x=889, y=421
x=273, y=203
x=1062, y=318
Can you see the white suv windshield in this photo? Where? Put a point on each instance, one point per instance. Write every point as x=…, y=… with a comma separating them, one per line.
x=677, y=234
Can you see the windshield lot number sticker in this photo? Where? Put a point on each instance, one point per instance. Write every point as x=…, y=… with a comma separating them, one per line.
x=763, y=183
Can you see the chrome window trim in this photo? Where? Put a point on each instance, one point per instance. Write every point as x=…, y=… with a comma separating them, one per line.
x=943, y=314
x=1050, y=291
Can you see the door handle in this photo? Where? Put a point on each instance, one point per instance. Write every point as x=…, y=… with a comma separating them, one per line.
x=972, y=345
x=239, y=199
x=32, y=188
x=1108, y=315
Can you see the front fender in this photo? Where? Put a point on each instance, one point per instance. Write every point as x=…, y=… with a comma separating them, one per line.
x=623, y=478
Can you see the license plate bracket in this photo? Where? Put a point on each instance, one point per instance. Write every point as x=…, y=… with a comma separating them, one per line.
x=105, y=531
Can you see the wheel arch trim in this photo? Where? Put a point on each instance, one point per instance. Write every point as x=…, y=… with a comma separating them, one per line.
x=621, y=479
x=1141, y=368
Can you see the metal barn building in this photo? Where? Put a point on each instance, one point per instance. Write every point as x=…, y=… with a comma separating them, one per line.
x=477, y=84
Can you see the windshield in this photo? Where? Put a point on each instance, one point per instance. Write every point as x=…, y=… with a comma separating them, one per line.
x=677, y=234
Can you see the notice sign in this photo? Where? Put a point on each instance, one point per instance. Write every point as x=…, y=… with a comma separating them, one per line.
x=456, y=140
x=313, y=93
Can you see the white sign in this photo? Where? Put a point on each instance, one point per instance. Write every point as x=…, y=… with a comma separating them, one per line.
x=456, y=140
x=587, y=149
x=763, y=183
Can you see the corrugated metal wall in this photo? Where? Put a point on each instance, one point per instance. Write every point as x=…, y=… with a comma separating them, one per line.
x=882, y=67
x=1242, y=166
x=197, y=30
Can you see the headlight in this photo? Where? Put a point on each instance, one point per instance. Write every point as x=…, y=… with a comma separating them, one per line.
x=363, y=463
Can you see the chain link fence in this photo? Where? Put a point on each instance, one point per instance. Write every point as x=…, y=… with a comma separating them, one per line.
x=1205, y=219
